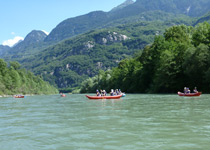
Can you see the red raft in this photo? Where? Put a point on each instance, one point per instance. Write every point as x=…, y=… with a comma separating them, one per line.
x=63, y=95
x=19, y=96
x=103, y=97
x=189, y=94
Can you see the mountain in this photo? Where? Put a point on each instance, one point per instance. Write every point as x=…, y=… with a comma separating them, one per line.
x=81, y=24
x=34, y=36
x=69, y=62
x=31, y=44
x=74, y=26
x=193, y=8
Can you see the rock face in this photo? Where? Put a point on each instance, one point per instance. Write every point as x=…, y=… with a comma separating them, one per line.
x=110, y=37
x=104, y=38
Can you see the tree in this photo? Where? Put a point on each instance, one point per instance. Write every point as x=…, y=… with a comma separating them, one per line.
x=202, y=34
x=3, y=66
x=180, y=33
x=15, y=65
x=196, y=65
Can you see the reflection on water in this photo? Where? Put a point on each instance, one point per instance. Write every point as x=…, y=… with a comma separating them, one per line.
x=145, y=122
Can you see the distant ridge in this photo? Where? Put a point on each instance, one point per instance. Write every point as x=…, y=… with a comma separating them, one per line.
x=77, y=25
x=203, y=19
x=126, y=3
x=99, y=19
x=33, y=39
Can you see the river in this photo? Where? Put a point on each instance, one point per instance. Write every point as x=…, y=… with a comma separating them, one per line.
x=135, y=122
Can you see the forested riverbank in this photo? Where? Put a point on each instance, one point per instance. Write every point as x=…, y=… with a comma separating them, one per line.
x=179, y=58
x=14, y=80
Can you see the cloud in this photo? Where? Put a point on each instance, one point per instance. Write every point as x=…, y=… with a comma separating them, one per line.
x=45, y=32
x=12, y=42
x=13, y=33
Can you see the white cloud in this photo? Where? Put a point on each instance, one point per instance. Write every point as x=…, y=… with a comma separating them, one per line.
x=12, y=42
x=13, y=33
x=45, y=32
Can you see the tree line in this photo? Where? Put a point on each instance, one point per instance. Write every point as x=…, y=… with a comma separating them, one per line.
x=179, y=58
x=14, y=80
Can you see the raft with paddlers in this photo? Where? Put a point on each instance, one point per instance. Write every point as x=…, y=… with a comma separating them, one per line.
x=19, y=96
x=189, y=94
x=103, y=97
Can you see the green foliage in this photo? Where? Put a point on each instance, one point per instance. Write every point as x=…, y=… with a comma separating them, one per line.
x=14, y=80
x=179, y=58
x=201, y=34
x=15, y=65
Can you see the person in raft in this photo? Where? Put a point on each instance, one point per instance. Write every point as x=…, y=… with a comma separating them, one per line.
x=98, y=93
x=103, y=93
x=186, y=90
x=195, y=90
x=112, y=92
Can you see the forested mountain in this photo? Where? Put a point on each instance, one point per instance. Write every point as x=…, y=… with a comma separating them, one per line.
x=126, y=3
x=68, y=63
x=193, y=8
x=179, y=58
x=14, y=80
x=32, y=43
x=139, y=9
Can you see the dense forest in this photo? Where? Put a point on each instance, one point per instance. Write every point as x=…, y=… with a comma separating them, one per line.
x=14, y=80
x=179, y=58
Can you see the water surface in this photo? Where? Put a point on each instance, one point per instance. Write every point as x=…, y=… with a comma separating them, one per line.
x=135, y=122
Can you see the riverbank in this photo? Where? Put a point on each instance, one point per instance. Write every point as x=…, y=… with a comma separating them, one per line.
x=1, y=96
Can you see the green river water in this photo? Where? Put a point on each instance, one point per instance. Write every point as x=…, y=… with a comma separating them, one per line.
x=135, y=122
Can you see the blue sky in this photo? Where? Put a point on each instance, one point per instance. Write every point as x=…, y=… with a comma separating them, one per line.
x=19, y=17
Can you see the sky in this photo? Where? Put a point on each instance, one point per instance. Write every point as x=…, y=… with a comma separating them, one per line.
x=20, y=17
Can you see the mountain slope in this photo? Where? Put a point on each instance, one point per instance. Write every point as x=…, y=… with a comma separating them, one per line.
x=203, y=19
x=69, y=62
x=193, y=8
x=81, y=24
x=74, y=26
x=3, y=49
x=32, y=43
x=125, y=4
x=35, y=36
